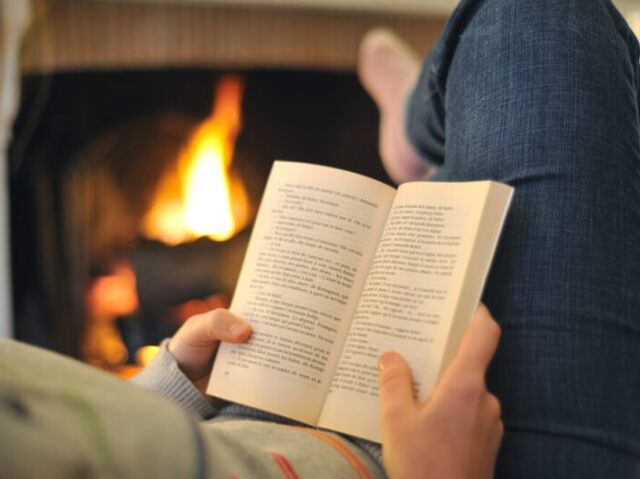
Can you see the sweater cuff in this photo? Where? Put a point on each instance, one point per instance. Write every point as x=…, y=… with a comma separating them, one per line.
x=163, y=376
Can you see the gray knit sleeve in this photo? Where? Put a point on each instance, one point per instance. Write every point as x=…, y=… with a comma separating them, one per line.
x=163, y=376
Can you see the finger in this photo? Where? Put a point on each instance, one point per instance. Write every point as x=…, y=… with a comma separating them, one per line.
x=205, y=331
x=478, y=344
x=496, y=439
x=395, y=387
x=494, y=422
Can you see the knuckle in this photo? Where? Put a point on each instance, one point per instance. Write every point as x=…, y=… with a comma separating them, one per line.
x=217, y=315
x=494, y=407
x=192, y=322
x=494, y=326
x=483, y=311
x=496, y=330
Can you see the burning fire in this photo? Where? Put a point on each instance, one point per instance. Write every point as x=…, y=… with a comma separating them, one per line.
x=200, y=197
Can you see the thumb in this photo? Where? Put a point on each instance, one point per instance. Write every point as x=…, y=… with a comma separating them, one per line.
x=395, y=387
x=195, y=343
x=205, y=330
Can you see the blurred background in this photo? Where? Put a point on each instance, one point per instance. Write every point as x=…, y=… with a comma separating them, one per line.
x=140, y=137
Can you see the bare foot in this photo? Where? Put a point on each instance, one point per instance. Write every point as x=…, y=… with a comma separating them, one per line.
x=388, y=70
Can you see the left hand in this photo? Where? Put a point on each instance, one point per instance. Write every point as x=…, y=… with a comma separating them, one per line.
x=195, y=344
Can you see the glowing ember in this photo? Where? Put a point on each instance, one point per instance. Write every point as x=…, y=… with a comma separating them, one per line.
x=145, y=354
x=113, y=295
x=200, y=198
x=108, y=297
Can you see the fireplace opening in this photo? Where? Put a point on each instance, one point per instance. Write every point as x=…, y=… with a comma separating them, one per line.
x=97, y=163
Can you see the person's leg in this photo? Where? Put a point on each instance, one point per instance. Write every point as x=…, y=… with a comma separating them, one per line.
x=388, y=70
x=543, y=95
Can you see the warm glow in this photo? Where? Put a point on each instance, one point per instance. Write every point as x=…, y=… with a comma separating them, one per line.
x=145, y=354
x=108, y=297
x=200, y=198
x=113, y=295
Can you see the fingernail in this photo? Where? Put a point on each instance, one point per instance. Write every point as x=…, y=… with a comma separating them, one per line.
x=238, y=328
x=387, y=358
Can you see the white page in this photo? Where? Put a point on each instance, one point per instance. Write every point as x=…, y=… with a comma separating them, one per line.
x=409, y=299
x=305, y=266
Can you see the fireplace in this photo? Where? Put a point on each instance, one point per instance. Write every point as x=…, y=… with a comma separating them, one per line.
x=114, y=95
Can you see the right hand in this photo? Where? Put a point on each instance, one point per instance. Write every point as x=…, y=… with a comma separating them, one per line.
x=457, y=432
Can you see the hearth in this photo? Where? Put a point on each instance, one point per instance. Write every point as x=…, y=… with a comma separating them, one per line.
x=99, y=141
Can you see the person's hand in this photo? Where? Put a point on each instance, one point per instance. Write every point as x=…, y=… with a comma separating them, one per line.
x=457, y=432
x=195, y=344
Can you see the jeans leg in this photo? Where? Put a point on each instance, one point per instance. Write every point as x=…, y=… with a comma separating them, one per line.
x=543, y=95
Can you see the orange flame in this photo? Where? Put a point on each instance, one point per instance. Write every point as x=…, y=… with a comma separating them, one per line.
x=201, y=198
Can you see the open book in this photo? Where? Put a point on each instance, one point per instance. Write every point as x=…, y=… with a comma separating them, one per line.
x=341, y=268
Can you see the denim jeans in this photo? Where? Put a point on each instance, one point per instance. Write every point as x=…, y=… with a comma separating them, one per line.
x=543, y=95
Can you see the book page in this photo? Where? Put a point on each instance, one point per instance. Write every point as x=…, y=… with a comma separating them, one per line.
x=409, y=298
x=306, y=263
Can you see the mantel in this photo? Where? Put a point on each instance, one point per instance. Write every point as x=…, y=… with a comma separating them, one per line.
x=421, y=7
x=98, y=35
